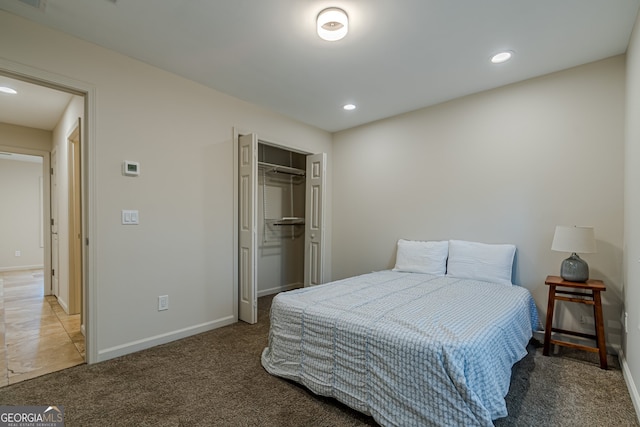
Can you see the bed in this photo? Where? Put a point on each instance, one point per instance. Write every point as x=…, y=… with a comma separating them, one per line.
x=408, y=348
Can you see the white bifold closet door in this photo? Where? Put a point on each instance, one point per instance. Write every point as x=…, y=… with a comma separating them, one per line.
x=314, y=219
x=248, y=228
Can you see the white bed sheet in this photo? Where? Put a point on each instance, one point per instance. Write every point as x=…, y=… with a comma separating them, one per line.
x=406, y=348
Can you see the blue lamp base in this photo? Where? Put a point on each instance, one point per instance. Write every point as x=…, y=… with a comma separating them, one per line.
x=574, y=269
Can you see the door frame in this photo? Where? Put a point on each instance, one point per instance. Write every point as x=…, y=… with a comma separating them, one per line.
x=89, y=211
x=74, y=178
x=54, y=213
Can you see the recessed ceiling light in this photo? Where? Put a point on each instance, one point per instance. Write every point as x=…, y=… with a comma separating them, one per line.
x=332, y=24
x=501, y=57
x=5, y=89
x=349, y=107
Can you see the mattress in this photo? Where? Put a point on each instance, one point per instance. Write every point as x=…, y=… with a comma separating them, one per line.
x=406, y=348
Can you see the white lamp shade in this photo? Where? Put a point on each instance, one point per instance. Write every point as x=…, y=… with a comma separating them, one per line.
x=574, y=239
x=332, y=24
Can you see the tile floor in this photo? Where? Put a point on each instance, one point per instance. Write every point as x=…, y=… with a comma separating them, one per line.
x=36, y=335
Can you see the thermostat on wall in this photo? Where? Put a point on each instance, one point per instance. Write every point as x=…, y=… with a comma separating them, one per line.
x=130, y=168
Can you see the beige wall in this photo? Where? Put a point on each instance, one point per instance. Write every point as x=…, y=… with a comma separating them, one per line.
x=12, y=136
x=21, y=215
x=632, y=219
x=37, y=142
x=503, y=166
x=181, y=133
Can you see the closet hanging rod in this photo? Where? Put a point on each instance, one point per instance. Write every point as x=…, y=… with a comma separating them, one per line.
x=281, y=169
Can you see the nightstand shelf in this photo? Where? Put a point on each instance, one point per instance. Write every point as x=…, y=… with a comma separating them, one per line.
x=591, y=297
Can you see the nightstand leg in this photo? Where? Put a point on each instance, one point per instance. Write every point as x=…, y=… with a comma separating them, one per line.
x=597, y=313
x=549, y=324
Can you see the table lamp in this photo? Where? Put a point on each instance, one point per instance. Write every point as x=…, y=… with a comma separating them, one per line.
x=574, y=239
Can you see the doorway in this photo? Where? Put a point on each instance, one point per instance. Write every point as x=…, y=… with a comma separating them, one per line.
x=280, y=220
x=83, y=209
x=36, y=335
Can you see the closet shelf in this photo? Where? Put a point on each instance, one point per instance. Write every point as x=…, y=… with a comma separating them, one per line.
x=270, y=167
x=287, y=220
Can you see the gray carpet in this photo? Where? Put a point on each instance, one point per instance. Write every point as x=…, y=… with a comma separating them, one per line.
x=215, y=379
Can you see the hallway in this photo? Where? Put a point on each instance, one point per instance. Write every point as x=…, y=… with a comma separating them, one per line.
x=36, y=335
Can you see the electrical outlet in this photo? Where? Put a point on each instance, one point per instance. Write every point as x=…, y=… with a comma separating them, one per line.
x=163, y=302
x=18, y=253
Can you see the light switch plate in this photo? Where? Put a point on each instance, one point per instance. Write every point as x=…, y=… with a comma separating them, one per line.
x=163, y=302
x=130, y=217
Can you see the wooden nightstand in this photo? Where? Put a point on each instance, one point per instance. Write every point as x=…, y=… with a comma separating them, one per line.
x=590, y=298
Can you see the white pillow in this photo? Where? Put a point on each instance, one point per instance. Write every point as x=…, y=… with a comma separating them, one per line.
x=422, y=257
x=480, y=261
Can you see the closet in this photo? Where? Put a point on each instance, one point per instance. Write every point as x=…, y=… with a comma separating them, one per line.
x=280, y=219
x=280, y=224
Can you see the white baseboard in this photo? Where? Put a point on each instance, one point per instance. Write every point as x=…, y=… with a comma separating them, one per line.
x=22, y=267
x=132, y=347
x=278, y=289
x=633, y=390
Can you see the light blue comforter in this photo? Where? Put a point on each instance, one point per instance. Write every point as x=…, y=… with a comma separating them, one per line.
x=406, y=348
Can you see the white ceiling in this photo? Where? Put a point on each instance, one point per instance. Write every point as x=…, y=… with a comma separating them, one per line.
x=398, y=56
x=33, y=106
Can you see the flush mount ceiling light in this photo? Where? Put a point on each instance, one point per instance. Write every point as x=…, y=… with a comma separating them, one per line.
x=5, y=89
x=333, y=24
x=501, y=57
x=349, y=107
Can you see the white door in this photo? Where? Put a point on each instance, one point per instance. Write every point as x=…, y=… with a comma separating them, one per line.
x=248, y=229
x=54, y=224
x=314, y=213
